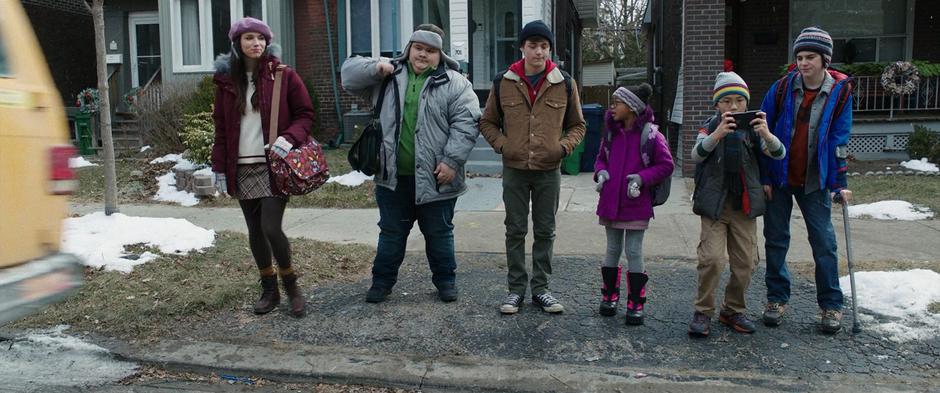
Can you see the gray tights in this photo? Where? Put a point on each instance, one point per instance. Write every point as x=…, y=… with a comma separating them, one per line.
x=633, y=248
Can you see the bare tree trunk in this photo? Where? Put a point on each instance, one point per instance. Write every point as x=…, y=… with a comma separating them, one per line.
x=110, y=177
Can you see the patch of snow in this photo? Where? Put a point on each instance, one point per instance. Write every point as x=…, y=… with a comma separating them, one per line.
x=921, y=165
x=80, y=162
x=181, y=163
x=890, y=210
x=167, y=158
x=50, y=360
x=145, y=148
x=99, y=239
x=895, y=303
x=169, y=193
x=204, y=171
x=351, y=179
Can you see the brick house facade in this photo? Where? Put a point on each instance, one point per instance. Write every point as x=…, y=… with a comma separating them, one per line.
x=699, y=35
x=313, y=63
x=702, y=56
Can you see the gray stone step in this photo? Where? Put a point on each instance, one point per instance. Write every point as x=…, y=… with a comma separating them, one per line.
x=481, y=142
x=484, y=154
x=483, y=159
x=485, y=167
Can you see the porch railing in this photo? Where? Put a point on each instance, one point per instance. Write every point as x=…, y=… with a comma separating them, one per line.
x=151, y=95
x=870, y=96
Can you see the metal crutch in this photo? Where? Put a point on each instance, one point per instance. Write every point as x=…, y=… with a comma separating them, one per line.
x=856, y=328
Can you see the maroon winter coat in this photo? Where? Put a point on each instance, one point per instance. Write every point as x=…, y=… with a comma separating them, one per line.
x=294, y=122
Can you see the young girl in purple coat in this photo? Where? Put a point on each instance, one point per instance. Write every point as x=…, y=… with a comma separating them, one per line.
x=626, y=206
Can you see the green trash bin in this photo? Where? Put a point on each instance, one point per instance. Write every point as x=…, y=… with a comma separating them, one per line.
x=571, y=164
x=83, y=132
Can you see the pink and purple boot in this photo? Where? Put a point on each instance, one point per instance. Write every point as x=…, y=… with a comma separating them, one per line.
x=636, y=297
x=610, y=290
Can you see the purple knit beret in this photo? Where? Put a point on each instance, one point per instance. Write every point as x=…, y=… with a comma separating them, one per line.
x=249, y=24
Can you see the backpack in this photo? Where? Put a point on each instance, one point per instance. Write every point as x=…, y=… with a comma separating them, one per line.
x=499, y=105
x=660, y=191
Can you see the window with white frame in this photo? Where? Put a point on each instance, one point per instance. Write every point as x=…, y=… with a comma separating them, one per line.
x=862, y=30
x=436, y=12
x=372, y=28
x=200, y=29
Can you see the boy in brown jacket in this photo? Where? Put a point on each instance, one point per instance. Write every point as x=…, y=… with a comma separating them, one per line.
x=534, y=122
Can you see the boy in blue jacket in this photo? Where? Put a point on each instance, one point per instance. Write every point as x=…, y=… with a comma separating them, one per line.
x=810, y=111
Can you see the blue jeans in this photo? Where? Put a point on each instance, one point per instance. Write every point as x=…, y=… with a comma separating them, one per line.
x=817, y=213
x=397, y=215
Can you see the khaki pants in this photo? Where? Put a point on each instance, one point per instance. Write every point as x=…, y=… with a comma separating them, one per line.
x=737, y=233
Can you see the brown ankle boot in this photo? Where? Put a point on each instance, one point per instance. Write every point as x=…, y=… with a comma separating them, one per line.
x=297, y=300
x=270, y=297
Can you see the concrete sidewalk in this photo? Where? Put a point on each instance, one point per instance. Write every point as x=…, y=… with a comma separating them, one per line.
x=479, y=225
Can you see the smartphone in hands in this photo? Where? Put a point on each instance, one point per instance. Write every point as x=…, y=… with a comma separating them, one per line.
x=743, y=120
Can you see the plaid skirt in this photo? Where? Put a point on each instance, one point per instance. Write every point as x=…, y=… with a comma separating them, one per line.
x=253, y=182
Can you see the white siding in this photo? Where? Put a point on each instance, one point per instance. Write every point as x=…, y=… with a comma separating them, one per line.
x=481, y=77
x=601, y=74
x=459, y=26
x=548, y=13
x=535, y=10
x=406, y=18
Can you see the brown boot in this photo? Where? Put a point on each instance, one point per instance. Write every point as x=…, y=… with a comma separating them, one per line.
x=296, y=298
x=270, y=297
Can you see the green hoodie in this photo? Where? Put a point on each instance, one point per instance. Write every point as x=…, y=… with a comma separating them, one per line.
x=406, y=142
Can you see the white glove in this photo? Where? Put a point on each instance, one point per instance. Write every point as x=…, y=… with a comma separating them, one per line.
x=635, y=182
x=281, y=147
x=602, y=177
x=220, y=185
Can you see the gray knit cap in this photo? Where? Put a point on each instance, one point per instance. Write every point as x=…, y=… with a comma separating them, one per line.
x=626, y=96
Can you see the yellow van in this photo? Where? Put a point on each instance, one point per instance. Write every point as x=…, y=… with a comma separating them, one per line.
x=35, y=178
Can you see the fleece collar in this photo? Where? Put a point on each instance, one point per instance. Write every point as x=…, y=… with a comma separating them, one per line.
x=517, y=70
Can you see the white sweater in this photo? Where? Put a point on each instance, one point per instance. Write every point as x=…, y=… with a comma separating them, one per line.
x=250, y=139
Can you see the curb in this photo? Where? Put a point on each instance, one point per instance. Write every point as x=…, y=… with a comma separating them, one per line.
x=304, y=363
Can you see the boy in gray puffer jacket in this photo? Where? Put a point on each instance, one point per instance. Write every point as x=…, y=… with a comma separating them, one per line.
x=429, y=120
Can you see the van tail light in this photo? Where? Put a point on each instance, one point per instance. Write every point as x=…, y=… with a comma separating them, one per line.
x=62, y=177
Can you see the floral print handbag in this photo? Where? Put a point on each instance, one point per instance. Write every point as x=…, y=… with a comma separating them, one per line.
x=304, y=168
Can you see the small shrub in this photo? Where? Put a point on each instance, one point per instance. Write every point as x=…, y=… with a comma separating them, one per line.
x=198, y=135
x=202, y=97
x=934, y=156
x=160, y=125
x=922, y=142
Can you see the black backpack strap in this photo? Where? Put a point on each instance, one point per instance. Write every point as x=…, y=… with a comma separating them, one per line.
x=497, y=81
x=377, y=109
x=568, y=90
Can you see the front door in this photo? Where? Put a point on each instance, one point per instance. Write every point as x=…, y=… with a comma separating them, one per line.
x=494, y=35
x=144, y=31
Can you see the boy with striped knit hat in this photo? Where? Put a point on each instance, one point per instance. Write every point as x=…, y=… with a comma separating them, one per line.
x=810, y=110
x=729, y=198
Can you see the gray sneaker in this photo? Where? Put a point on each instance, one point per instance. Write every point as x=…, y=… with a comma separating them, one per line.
x=830, y=321
x=773, y=314
x=511, y=304
x=548, y=303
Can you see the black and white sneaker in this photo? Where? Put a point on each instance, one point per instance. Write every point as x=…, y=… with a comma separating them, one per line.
x=511, y=304
x=548, y=303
